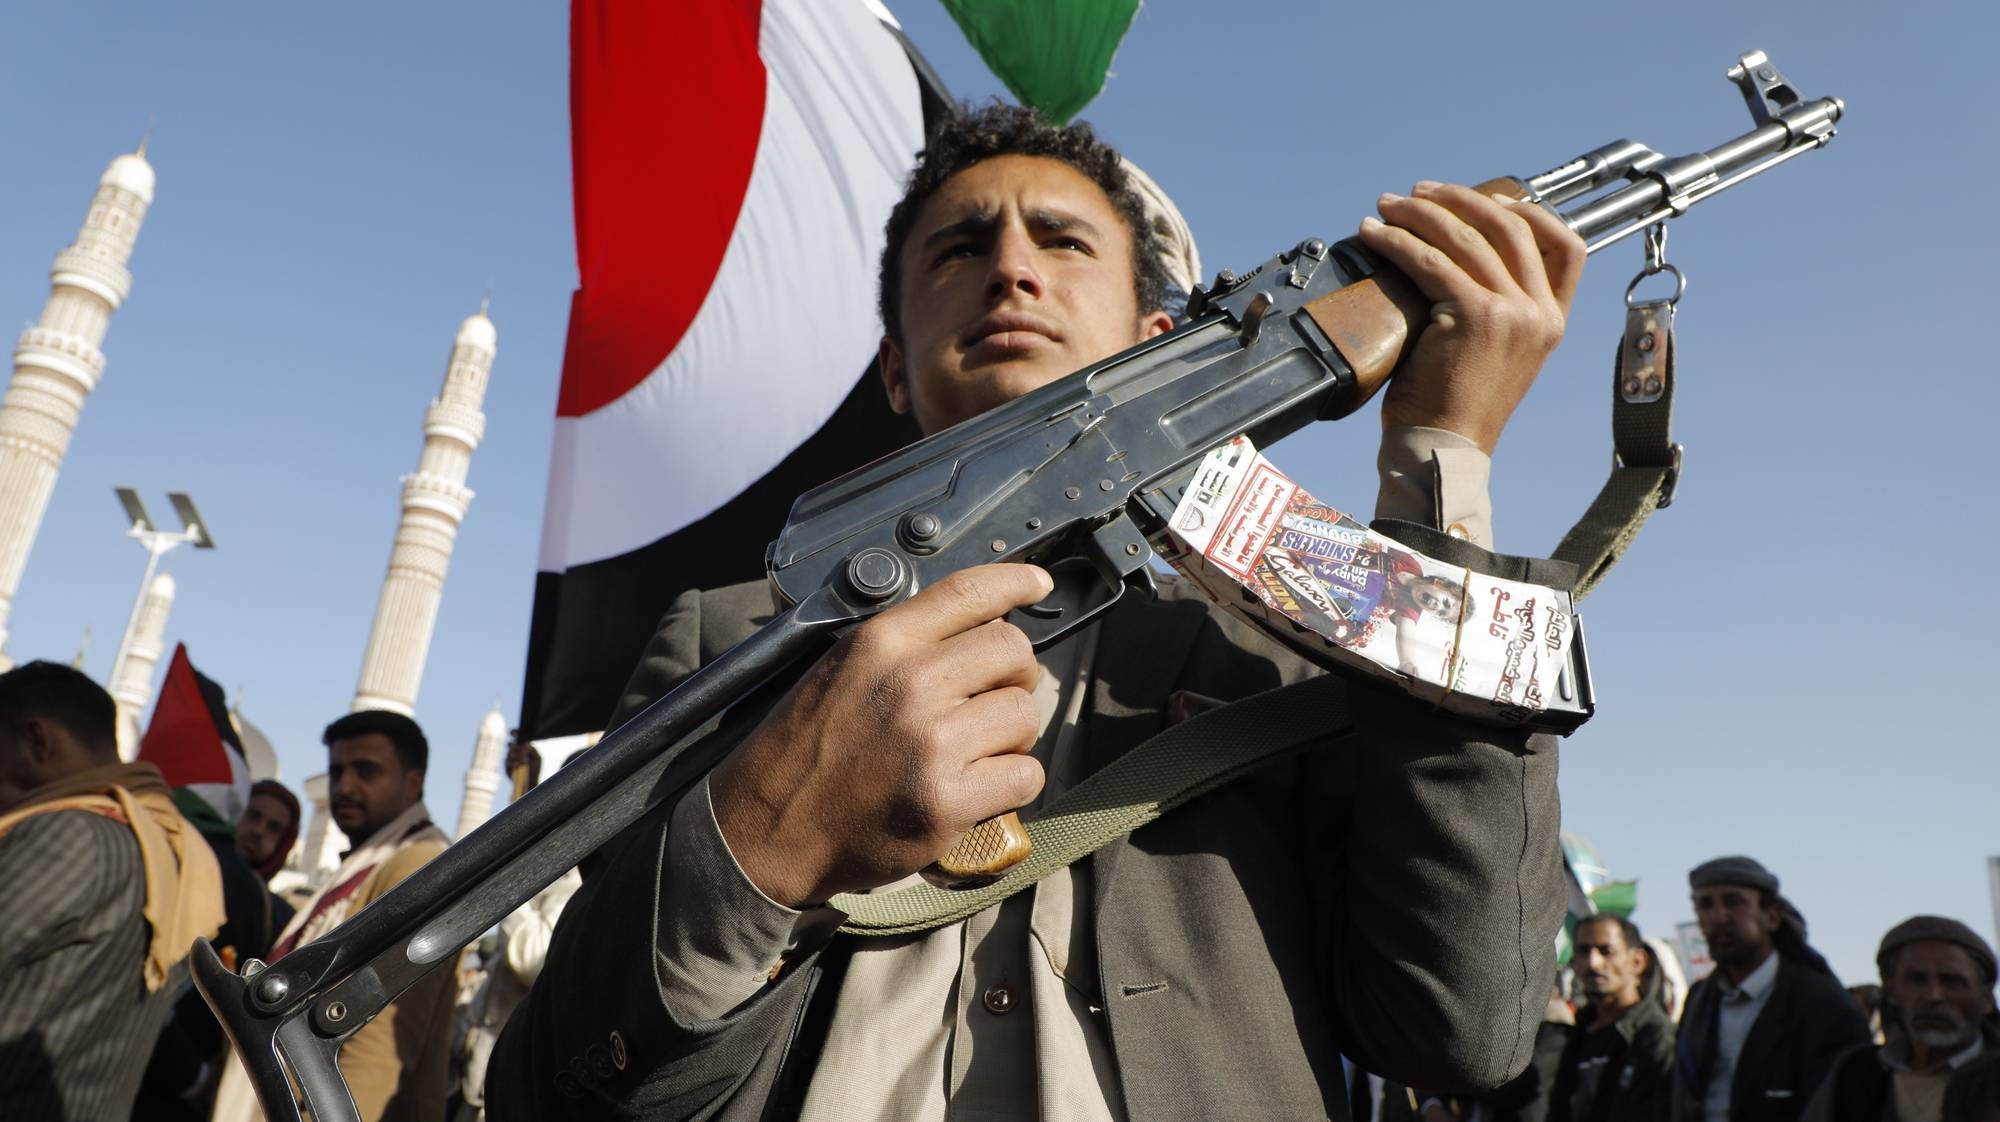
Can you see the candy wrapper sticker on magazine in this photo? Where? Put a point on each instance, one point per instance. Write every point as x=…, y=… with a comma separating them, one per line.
x=1473, y=644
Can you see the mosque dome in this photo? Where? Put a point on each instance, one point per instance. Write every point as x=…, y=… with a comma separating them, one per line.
x=258, y=754
x=131, y=172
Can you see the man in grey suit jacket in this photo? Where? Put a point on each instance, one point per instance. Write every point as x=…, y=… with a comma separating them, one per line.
x=1391, y=893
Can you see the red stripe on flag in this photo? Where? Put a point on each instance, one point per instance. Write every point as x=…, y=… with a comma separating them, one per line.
x=182, y=740
x=666, y=106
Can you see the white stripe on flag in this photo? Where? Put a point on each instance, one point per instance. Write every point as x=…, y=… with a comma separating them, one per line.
x=790, y=321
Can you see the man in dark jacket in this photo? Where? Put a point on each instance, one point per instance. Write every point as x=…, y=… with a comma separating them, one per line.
x=1937, y=982
x=1619, y=1065
x=1760, y=1033
x=1391, y=893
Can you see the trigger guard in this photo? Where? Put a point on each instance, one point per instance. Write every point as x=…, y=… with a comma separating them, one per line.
x=1081, y=594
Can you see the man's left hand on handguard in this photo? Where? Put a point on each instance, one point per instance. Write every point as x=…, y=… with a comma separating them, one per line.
x=1500, y=276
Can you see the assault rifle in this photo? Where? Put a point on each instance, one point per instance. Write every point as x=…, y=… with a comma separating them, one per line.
x=1079, y=476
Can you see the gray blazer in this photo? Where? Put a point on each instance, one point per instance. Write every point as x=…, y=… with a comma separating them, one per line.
x=1392, y=894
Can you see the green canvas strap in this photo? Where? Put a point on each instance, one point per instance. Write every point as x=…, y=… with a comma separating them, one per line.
x=1185, y=761
x=1645, y=463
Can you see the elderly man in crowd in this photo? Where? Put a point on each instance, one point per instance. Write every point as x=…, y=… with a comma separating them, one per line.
x=1760, y=1033
x=1619, y=1064
x=1937, y=985
x=106, y=886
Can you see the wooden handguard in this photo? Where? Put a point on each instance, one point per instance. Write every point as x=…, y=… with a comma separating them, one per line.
x=986, y=852
x=1372, y=321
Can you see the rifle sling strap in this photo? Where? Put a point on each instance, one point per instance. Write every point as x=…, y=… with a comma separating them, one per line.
x=1202, y=753
x=1645, y=463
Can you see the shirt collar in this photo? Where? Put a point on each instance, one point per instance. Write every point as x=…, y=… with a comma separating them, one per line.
x=1756, y=985
x=1627, y=1024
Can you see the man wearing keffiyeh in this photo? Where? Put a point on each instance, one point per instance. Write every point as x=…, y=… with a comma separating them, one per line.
x=268, y=827
x=107, y=886
x=396, y=1066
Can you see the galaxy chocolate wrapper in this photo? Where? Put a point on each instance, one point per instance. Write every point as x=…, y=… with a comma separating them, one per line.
x=1259, y=543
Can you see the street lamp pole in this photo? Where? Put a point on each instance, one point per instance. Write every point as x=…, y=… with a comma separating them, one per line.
x=158, y=543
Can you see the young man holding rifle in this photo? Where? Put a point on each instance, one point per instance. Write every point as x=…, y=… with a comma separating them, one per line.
x=1390, y=894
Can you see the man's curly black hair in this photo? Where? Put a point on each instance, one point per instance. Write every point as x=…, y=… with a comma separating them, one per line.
x=977, y=133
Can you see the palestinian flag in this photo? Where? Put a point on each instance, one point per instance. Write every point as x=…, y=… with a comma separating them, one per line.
x=191, y=740
x=734, y=163
x=1051, y=54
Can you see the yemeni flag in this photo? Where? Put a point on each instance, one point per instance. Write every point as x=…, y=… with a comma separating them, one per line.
x=192, y=742
x=1051, y=54
x=734, y=163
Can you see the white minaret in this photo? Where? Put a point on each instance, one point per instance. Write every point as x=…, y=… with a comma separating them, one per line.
x=132, y=679
x=435, y=498
x=483, y=777
x=57, y=363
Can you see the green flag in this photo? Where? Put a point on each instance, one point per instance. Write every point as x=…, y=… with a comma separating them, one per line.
x=1619, y=898
x=1053, y=54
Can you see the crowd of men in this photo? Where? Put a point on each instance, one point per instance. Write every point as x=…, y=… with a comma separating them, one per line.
x=1383, y=903
x=1770, y=1035
x=113, y=875
x=113, y=882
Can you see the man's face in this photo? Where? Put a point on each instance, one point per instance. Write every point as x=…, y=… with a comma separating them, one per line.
x=1017, y=271
x=367, y=786
x=1739, y=928
x=263, y=824
x=1605, y=966
x=1938, y=991
x=1438, y=597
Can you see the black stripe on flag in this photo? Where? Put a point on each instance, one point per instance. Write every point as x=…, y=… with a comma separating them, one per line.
x=591, y=624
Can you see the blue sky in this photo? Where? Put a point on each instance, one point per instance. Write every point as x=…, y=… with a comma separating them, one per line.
x=1792, y=661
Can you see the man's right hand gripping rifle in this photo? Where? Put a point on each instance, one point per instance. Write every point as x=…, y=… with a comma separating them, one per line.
x=912, y=730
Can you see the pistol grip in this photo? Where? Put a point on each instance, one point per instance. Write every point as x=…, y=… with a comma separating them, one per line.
x=986, y=852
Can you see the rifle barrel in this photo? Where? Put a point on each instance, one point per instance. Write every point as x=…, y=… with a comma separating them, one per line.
x=1659, y=188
